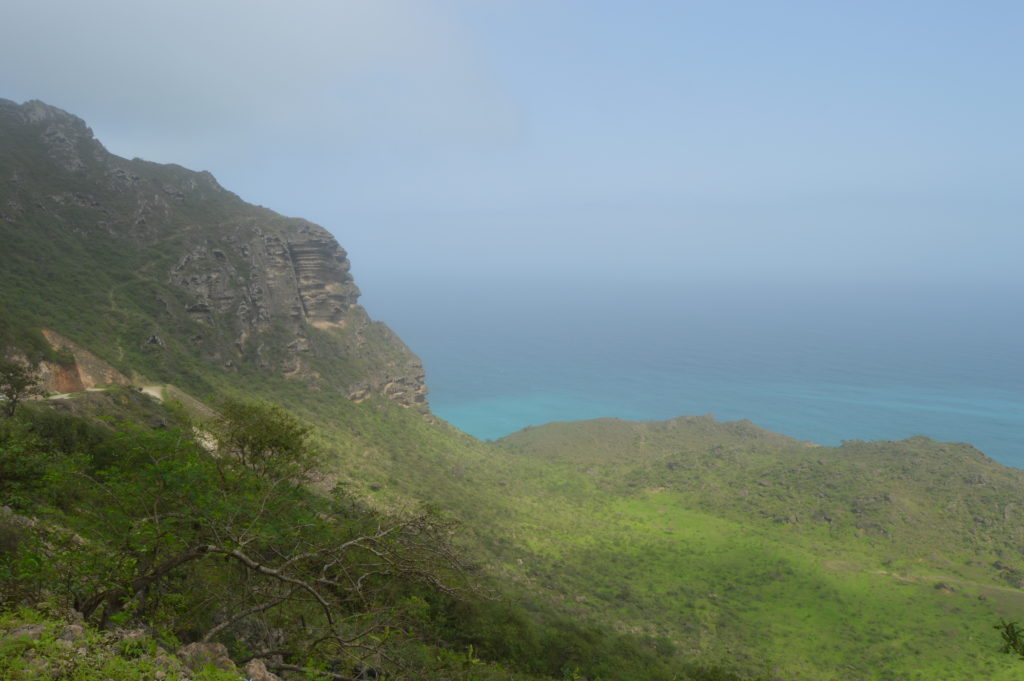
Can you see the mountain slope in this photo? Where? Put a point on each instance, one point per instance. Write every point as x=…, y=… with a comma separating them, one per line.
x=621, y=550
x=166, y=275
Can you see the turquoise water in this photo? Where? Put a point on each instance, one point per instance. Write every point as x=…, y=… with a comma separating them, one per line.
x=823, y=364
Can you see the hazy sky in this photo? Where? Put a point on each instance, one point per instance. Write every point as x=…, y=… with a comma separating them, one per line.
x=605, y=141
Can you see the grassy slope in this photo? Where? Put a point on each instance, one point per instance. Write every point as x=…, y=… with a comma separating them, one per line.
x=872, y=560
x=739, y=547
x=743, y=548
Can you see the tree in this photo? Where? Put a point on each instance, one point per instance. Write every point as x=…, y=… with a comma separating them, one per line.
x=230, y=545
x=266, y=440
x=1013, y=638
x=17, y=381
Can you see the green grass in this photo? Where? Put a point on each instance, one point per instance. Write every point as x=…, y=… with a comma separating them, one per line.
x=740, y=548
x=701, y=552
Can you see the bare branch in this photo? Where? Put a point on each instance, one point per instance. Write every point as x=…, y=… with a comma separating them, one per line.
x=276, y=574
x=283, y=667
x=238, y=617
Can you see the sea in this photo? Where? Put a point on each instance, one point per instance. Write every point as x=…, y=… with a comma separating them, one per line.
x=815, y=361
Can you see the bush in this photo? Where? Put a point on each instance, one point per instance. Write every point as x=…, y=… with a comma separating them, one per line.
x=266, y=440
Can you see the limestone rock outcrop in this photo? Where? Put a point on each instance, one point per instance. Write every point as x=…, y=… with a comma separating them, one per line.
x=182, y=268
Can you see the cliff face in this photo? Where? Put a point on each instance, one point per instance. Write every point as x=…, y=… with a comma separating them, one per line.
x=179, y=266
x=260, y=277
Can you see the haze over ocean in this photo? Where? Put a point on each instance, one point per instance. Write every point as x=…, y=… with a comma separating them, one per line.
x=535, y=140
x=823, y=363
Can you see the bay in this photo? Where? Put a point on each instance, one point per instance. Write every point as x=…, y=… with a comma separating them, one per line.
x=818, y=362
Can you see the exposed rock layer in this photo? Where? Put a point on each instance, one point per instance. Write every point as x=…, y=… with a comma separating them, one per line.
x=87, y=370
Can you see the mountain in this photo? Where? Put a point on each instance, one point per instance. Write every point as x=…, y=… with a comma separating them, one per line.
x=168, y=277
x=684, y=549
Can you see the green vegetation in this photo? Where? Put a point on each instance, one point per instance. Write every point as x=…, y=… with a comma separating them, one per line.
x=266, y=441
x=1013, y=638
x=300, y=527
x=871, y=560
x=17, y=382
x=147, y=525
x=134, y=526
x=720, y=543
x=36, y=646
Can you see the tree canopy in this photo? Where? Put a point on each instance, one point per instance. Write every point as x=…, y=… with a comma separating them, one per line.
x=17, y=382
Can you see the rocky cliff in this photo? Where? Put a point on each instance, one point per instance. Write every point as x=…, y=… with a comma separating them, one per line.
x=179, y=268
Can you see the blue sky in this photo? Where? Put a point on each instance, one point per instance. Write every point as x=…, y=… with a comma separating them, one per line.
x=592, y=140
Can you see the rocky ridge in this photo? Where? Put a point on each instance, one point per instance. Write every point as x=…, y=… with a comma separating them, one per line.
x=235, y=286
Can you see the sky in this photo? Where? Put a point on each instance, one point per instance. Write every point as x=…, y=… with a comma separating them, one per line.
x=591, y=140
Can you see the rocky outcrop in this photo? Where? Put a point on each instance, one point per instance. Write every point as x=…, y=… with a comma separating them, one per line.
x=197, y=656
x=86, y=371
x=57, y=378
x=261, y=277
x=61, y=645
x=291, y=277
x=68, y=140
x=81, y=371
x=256, y=670
x=322, y=278
x=407, y=390
x=196, y=273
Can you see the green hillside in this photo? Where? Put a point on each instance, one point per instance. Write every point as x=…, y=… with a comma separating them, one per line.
x=886, y=560
x=170, y=278
x=293, y=431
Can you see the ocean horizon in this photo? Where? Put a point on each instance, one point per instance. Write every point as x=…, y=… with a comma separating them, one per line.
x=821, y=363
